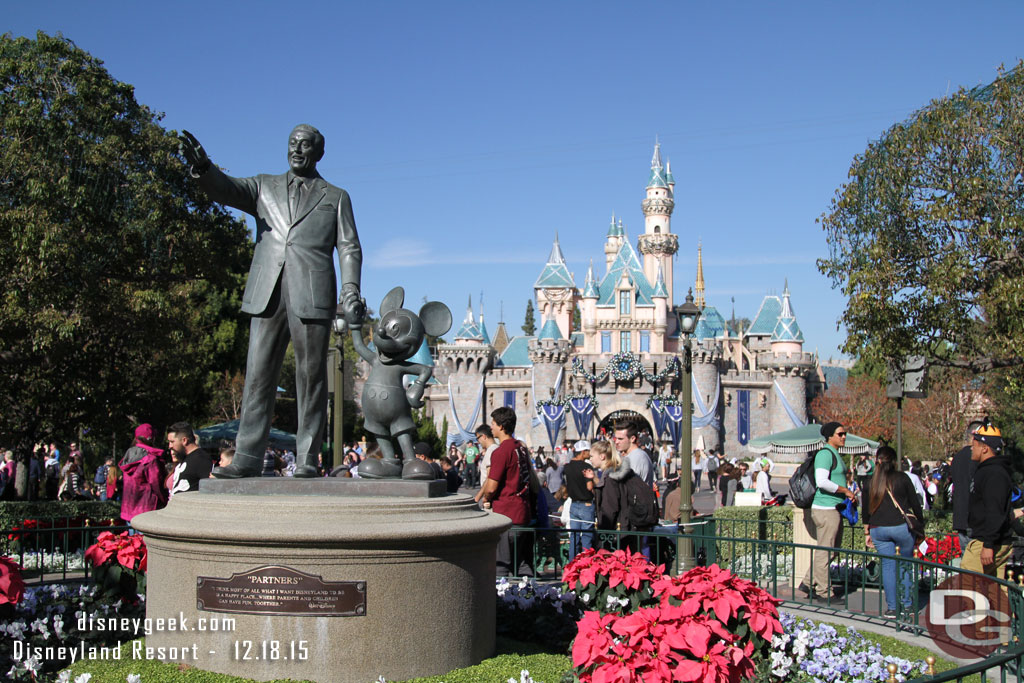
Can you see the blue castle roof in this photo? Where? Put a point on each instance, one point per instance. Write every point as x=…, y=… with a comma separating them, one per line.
x=555, y=273
x=767, y=317
x=711, y=324
x=550, y=331
x=517, y=353
x=625, y=261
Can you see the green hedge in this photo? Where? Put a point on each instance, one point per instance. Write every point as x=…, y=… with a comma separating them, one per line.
x=768, y=523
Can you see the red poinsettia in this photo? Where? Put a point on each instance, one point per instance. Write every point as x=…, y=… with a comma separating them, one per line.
x=705, y=625
x=128, y=551
x=941, y=550
x=12, y=586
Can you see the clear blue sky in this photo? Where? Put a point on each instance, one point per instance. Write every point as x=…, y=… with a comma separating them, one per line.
x=468, y=133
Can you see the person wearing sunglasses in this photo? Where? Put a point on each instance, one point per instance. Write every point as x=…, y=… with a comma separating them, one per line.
x=824, y=523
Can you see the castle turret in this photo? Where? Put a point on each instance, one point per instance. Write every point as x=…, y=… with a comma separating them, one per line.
x=613, y=242
x=707, y=366
x=556, y=291
x=549, y=352
x=660, y=299
x=657, y=243
x=589, y=311
x=789, y=367
x=462, y=365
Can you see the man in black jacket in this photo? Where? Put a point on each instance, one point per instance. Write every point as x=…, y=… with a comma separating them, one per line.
x=988, y=514
x=961, y=474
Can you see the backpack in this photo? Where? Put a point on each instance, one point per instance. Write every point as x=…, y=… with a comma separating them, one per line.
x=641, y=504
x=801, y=485
x=101, y=475
x=712, y=465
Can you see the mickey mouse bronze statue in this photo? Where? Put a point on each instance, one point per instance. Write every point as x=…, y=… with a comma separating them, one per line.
x=387, y=403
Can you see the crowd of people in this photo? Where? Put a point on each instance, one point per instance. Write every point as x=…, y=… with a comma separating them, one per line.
x=622, y=481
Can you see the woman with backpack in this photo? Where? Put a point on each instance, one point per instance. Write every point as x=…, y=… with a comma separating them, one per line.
x=891, y=496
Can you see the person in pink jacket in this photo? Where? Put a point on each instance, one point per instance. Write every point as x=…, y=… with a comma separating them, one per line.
x=144, y=474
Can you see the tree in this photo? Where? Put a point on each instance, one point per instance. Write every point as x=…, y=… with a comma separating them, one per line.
x=529, y=323
x=121, y=280
x=577, y=318
x=927, y=238
x=939, y=421
x=861, y=406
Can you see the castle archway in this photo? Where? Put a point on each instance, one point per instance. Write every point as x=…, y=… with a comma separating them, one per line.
x=608, y=422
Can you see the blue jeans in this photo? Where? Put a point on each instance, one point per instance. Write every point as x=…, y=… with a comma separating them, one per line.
x=581, y=516
x=886, y=538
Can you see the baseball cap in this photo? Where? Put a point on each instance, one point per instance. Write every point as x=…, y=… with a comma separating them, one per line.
x=581, y=445
x=421, y=448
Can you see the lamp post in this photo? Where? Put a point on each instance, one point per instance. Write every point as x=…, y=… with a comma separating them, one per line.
x=688, y=314
x=340, y=328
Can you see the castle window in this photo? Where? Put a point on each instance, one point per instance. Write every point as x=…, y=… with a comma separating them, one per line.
x=625, y=302
x=606, y=342
x=657, y=229
x=625, y=341
x=645, y=341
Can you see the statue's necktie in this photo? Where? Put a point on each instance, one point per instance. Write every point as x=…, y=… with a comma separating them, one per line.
x=296, y=198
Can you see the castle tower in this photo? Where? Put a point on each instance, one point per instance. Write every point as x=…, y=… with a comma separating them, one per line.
x=660, y=299
x=556, y=291
x=463, y=364
x=789, y=367
x=589, y=312
x=707, y=364
x=548, y=351
x=613, y=242
x=657, y=243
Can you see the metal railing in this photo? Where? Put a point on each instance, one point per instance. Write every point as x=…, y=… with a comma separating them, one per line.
x=52, y=550
x=855, y=577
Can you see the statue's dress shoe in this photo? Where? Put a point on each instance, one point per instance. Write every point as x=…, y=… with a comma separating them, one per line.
x=385, y=468
x=236, y=471
x=306, y=472
x=418, y=470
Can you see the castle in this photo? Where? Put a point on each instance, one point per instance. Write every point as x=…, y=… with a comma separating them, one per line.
x=626, y=347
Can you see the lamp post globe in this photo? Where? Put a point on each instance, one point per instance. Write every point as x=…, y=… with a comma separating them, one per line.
x=687, y=315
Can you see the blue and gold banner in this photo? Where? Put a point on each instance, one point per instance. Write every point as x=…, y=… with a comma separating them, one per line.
x=743, y=416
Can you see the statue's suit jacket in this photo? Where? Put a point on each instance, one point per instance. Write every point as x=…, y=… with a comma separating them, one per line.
x=306, y=242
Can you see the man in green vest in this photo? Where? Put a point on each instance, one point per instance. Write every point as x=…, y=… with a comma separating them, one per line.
x=826, y=523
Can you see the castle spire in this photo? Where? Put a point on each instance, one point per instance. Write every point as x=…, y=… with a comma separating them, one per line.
x=699, y=300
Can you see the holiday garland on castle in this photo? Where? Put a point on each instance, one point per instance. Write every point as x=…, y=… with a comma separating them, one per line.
x=663, y=400
x=624, y=367
x=582, y=397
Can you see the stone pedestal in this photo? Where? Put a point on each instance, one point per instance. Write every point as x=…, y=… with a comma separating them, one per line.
x=327, y=579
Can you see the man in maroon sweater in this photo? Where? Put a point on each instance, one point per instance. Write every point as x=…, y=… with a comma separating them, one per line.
x=507, y=489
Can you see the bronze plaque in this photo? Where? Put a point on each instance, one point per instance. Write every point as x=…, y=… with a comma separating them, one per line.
x=281, y=590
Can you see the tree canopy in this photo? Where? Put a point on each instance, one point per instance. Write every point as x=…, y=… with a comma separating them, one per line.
x=121, y=280
x=927, y=238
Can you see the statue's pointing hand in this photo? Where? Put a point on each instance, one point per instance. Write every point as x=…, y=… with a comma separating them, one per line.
x=194, y=153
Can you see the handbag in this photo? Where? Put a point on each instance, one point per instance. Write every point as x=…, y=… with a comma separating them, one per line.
x=915, y=525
